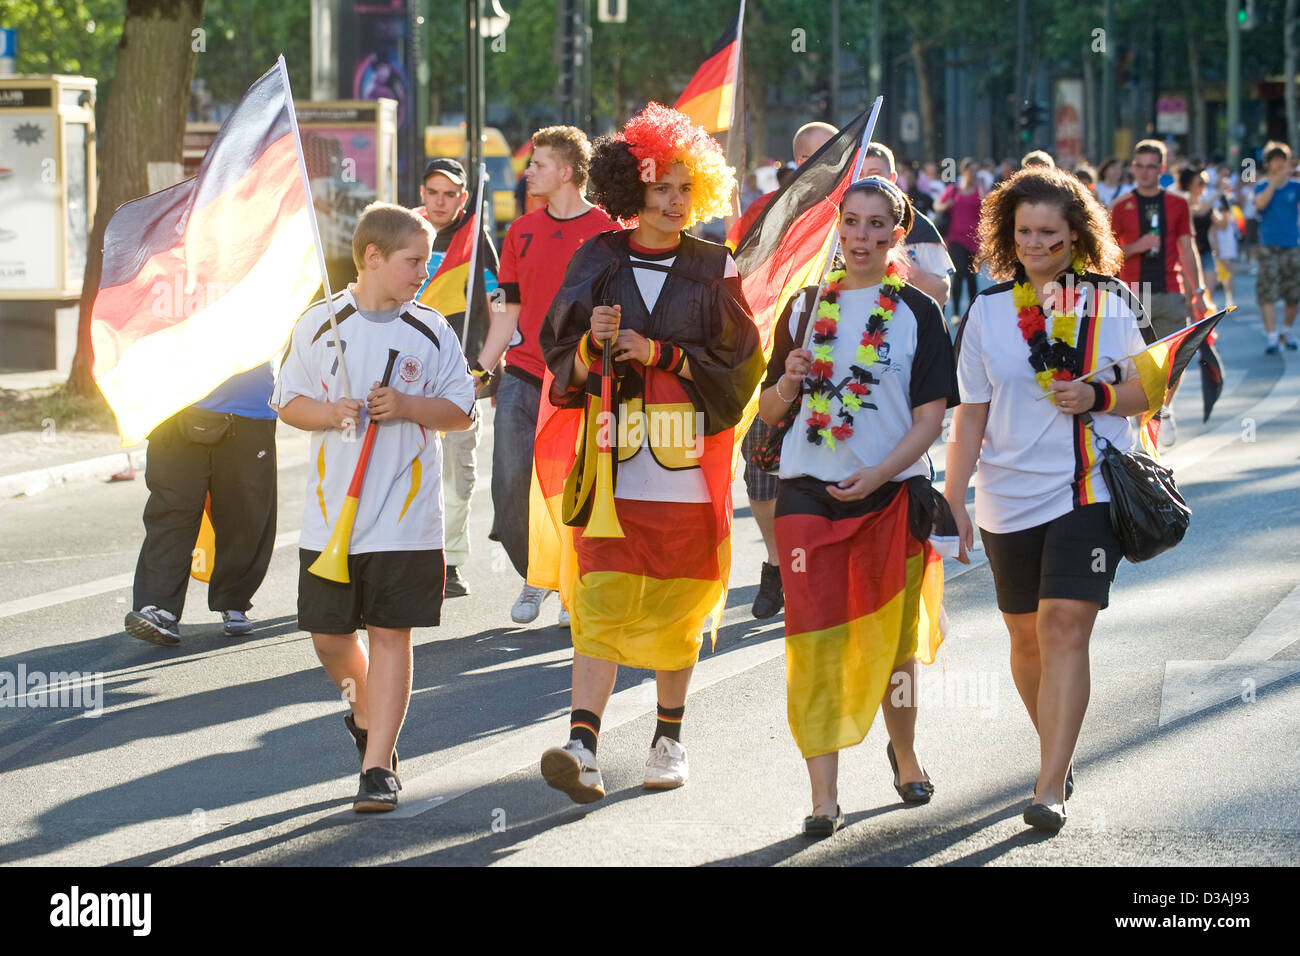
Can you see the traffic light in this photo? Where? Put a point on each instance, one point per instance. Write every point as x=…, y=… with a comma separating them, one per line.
x=1032, y=115
x=1245, y=10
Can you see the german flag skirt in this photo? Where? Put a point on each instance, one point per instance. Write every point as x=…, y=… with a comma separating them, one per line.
x=863, y=587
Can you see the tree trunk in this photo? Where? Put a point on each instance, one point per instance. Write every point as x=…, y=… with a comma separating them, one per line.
x=1196, y=130
x=755, y=101
x=145, y=124
x=924, y=106
x=1091, y=125
x=1288, y=73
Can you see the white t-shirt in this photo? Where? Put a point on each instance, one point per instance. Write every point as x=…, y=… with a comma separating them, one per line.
x=1036, y=463
x=400, y=507
x=641, y=477
x=916, y=367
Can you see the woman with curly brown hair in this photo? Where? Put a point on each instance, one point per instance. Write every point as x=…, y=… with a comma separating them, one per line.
x=1040, y=500
x=687, y=358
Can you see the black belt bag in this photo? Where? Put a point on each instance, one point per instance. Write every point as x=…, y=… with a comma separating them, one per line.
x=203, y=427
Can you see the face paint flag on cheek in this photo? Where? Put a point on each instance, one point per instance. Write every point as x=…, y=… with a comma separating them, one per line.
x=1056, y=247
x=881, y=243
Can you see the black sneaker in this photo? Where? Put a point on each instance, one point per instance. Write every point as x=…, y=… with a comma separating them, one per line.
x=378, y=791
x=361, y=737
x=771, y=598
x=455, y=585
x=154, y=625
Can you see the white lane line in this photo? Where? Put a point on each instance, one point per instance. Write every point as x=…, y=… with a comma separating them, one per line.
x=76, y=592
x=1281, y=398
x=523, y=749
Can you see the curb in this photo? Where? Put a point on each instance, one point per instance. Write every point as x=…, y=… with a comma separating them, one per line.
x=89, y=469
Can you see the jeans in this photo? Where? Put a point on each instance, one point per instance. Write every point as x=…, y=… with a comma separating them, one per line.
x=514, y=429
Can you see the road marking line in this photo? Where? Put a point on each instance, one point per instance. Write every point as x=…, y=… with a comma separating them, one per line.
x=76, y=592
x=1190, y=687
x=1281, y=398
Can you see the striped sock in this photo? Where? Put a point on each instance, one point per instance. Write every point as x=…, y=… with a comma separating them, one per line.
x=584, y=726
x=670, y=723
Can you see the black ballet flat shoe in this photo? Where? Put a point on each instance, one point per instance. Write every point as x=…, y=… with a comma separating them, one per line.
x=818, y=828
x=1042, y=817
x=917, y=792
x=1069, y=783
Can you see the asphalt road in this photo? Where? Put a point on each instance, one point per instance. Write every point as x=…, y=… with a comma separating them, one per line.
x=233, y=751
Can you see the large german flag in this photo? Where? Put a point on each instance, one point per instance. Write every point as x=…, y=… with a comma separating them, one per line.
x=206, y=279
x=784, y=249
x=1161, y=365
x=709, y=96
x=862, y=595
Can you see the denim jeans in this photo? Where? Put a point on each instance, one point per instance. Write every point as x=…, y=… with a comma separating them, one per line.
x=514, y=428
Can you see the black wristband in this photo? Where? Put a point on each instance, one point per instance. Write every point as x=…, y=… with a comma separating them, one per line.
x=1098, y=398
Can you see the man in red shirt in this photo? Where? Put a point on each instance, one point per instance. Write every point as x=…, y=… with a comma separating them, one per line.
x=1160, y=261
x=534, y=257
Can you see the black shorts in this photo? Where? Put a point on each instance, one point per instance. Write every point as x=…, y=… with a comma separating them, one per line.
x=1072, y=557
x=393, y=589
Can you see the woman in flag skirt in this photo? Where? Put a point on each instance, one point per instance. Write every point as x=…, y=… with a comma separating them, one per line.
x=855, y=513
x=686, y=359
x=1040, y=500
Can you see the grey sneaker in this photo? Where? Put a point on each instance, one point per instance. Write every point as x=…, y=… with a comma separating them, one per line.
x=528, y=605
x=154, y=625
x=236, y=624
x=1168, y=433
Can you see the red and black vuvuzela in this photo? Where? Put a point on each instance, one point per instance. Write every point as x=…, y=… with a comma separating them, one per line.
x=332, y=564
x=205, y=279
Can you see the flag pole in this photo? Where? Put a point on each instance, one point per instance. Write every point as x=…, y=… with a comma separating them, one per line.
x=477, y=223
x=857, y=168
x=315, y=227
x=737, y=94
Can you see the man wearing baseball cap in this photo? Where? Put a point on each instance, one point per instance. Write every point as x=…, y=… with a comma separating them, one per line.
x=444, y=193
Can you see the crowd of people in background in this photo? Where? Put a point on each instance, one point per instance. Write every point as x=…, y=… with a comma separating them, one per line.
x=1233, y=231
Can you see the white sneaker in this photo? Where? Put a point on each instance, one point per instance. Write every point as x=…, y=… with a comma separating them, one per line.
x=1168, y=427
x=572, y=768
x=528, y=605
x=666, y=768
x=564, y=616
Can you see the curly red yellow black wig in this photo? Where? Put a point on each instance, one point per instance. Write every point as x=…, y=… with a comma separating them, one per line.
x=650, y=143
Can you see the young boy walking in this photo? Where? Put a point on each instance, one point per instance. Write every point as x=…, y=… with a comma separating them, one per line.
x=394, y=556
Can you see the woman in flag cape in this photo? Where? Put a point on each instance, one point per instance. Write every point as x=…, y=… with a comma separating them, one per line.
x=667, y=308
x=858, y=524
x=1040, y=499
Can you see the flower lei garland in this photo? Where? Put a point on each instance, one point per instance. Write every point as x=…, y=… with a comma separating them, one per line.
x=821, y=375
x=1053, y=357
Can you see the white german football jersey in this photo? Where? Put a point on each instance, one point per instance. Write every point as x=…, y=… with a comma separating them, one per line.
x=400, y=506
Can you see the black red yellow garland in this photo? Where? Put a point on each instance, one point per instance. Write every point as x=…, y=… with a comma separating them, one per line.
x=821, y=376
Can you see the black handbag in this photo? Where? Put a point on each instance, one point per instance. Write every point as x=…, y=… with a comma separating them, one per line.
x=1147, y=513
x=766, y=456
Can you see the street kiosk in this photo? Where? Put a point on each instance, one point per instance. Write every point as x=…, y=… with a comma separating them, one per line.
x=47, y=205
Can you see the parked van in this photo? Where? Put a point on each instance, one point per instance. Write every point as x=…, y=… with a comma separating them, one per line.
x=449, y=141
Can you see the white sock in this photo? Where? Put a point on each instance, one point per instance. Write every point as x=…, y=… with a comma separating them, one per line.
x=1272, y=337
